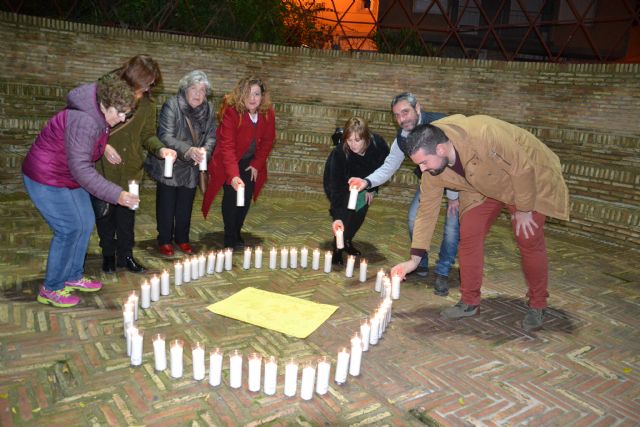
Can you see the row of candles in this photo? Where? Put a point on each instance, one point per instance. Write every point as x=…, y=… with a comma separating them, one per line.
x=314, y=375
x=197, y=266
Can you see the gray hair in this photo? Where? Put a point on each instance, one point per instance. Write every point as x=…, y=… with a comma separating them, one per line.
x=404, y=96
x=193, y=78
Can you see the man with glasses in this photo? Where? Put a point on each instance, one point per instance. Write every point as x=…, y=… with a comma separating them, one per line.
x=407, y=113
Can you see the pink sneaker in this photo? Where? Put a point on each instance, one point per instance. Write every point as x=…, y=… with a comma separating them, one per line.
x=84, y=285
x=59, y=298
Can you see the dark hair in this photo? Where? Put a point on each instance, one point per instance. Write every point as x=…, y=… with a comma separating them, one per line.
x=425, y=137
x=114, y=92
x=356, y=126
x=140, y=72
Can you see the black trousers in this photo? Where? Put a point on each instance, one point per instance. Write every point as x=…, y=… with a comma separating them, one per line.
x=354, y=221
x=232, y=215
x=173, y=213
x=116, y=232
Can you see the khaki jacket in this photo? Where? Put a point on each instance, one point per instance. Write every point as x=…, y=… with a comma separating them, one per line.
x=131, y=139
x=501, y=161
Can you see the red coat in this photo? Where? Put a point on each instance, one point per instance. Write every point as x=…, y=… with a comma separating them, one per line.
x=233, y=138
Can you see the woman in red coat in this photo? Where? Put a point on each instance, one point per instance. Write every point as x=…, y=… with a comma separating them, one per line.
x=244, y=139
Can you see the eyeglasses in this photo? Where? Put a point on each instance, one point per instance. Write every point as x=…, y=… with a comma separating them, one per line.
x=125, y=115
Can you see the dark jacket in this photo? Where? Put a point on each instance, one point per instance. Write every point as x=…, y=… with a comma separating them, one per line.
x=343, y=166
x=64, y=153
x=173, y=131
x=131, y=139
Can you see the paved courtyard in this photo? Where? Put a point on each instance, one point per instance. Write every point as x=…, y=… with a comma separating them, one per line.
x=69, y=366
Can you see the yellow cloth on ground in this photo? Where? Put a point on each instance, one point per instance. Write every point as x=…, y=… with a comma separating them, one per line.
x=283, y=313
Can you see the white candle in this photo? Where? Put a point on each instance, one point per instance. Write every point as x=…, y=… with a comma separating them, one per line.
x=324, y=370
x=164, y=283
x=339, y=238
x=159, y=352
x=136, y=348
x=290, y=378
x=342, y=366
x=356, y=356
x=327, y=261
x=197, y=358
x=127, y=317
x=176, y=358
x=351, y=262
x=240, y=196
x=293, y=258
x=228, y=253
x=257, y=259
x=365, y=333
x=211, y=262
x=255, y=371
x=220, y=261
x=235, y=369
x=131, y=331
x=202, y=265
x=380, y=316
x=203, y=162
x=379, y=276
x=353, y=198
x=168, y=166
x=134, y=300
x=215, y=367
x=186, y=276
x=284, y=258
x=304, y=257
x=155, y=288
x=195, y=268
x=307, y=382
x=273, y=254
x=270, y=376
x=145, y=295
x=177, y=273
x=363, y=270
x=373, y=335
x=386, y=287
x=134, y=188
x=315, y=259
x=246, y=261
x=395, y=286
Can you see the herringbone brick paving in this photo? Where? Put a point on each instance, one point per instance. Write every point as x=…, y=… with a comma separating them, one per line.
x=69, y=366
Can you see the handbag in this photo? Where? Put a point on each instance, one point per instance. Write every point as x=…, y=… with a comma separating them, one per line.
x=100, y=207
x=203, y=177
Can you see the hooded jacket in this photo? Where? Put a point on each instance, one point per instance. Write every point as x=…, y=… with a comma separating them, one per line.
x=64, y=153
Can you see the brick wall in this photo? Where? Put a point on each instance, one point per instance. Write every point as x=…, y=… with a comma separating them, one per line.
x=588, y=114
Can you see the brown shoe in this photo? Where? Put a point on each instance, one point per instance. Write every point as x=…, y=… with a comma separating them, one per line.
x=166, y=250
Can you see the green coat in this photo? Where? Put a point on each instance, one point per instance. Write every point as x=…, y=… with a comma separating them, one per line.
x=131, y=139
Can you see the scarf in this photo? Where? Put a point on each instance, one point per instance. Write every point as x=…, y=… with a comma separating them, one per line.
x=198, y=116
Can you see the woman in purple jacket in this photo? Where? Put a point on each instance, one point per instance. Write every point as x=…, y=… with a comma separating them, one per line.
x=59, y=174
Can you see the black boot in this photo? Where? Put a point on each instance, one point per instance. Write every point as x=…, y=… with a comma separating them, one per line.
x=131, y=264
x=336, y=259
x=109, y=263
x=350, y=249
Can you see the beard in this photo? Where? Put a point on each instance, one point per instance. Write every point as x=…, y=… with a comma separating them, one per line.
x=439, y=169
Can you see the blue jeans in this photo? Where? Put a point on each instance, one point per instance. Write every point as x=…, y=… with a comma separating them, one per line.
x=450, y=238
x=69, y=214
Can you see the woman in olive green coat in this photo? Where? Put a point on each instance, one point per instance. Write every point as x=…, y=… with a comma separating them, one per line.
x=123, y=162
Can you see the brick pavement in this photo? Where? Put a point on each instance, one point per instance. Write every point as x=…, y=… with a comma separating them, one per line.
x=69, y=366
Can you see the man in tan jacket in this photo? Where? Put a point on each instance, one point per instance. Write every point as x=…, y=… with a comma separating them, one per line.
x=494, y=165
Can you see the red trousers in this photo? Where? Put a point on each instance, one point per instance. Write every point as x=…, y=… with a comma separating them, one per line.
x=474, y=226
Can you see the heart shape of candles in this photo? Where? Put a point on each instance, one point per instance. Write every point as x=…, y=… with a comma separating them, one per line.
x=314, y=376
